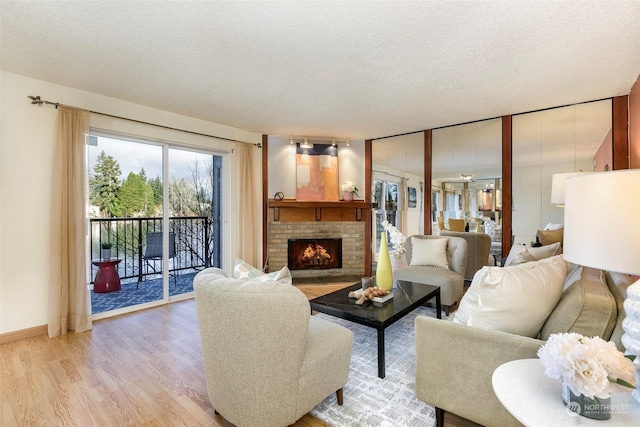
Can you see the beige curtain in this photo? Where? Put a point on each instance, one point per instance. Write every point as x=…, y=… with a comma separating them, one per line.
x=69, y=299
x=248, y=195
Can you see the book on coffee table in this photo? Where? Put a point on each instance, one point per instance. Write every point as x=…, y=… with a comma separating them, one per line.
x=385, y=298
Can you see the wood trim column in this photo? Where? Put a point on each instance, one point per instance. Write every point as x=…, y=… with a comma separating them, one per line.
x=427, y=180
x=265, y=199
x=368, y=162
x=507, y=183
x=620, y=132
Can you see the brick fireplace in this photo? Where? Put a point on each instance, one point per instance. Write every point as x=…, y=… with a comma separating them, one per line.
x=291, y=220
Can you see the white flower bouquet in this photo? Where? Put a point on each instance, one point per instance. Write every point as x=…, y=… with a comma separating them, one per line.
x=591, y=367
x=350, y=186
x=396, y=238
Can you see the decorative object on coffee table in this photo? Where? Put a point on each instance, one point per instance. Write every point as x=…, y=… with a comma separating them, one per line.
x=613, y=195
x=384, y=273
x=367, y=282
x=374, y=293
x=396, y=238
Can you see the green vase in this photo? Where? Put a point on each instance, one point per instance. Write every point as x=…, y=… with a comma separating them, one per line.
x=384, y=274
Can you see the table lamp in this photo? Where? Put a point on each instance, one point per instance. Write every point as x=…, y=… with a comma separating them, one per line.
x=602, y=230
x=558, y=181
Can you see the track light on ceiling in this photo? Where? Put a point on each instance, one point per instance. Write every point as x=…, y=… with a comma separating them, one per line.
x=309, y=141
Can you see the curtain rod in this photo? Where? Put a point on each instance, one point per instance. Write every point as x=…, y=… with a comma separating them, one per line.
x=37, y=101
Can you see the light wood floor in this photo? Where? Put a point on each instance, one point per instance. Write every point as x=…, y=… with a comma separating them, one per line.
x=139, y=369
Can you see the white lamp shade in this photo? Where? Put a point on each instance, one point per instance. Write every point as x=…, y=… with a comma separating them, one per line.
x=602, y=220
x=558, y=186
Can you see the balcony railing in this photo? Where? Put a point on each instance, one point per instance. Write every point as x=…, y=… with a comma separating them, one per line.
x=193, y=243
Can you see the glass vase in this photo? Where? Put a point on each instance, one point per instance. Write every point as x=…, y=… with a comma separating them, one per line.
x=384, y=273
x=596, y=408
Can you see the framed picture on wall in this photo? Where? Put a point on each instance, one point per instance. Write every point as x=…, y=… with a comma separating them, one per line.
x=412, y=197
x=317, y=173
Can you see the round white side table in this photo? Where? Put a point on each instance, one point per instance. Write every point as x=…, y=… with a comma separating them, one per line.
x=536, y=400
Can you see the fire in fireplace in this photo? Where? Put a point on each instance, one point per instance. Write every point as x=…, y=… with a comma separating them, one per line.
x=309, y=254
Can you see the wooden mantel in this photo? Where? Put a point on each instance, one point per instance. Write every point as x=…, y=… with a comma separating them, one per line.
x=291, y=210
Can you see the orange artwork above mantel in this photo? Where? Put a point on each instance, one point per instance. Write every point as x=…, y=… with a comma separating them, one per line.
x=291, y=210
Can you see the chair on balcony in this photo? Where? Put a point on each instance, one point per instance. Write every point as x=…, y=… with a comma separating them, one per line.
x=153, y=254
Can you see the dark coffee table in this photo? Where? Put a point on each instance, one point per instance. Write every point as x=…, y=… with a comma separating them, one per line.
x=407, y=296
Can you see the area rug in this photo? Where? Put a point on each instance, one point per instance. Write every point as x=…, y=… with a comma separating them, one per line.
x=372, y=401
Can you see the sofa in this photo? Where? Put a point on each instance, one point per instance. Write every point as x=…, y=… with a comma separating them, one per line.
x=478, y=250
x=455, y=362
x=267, y=361
x=447, y=272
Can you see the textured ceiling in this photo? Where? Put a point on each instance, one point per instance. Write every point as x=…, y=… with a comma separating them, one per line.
x=344, y=69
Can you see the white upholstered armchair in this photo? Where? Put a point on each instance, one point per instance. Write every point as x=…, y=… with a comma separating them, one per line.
x=450, y=279
x=267, y=360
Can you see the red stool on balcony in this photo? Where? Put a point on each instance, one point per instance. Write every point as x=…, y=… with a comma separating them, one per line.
x=107, y=279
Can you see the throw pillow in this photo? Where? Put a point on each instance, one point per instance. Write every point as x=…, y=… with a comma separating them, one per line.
x=552, y=226
x=548, y=237
x=539, y=253
x=247, y=272
x=429, y=252
x=282, y=276
x=519, y=299
x=469, y=302
x=522, y=257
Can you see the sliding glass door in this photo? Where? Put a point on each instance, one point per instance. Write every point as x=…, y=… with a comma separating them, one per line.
x=194, y=222
x=158, y=207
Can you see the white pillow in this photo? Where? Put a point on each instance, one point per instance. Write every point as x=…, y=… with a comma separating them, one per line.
x=282, y=276
x=516, y=299
x=521, y=258
x=469, y=302
x=429, y=252
x=552, y=226
x=247, y=272
x=538, y=253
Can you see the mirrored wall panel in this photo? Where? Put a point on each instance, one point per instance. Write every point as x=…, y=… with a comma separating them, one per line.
x=397, y=176
x=559, y=140
x=466, y=184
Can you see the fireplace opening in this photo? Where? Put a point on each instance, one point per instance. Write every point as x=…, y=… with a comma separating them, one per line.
x=312, y=254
